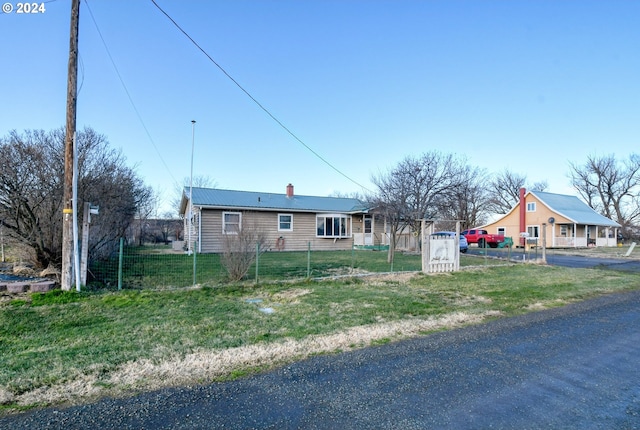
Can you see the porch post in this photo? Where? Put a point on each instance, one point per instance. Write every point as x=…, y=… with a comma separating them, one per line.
x=544, y=242
x=387, y=238
x=351, y=228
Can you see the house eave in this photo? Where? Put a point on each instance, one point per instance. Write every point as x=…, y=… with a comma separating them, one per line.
x=274, y=209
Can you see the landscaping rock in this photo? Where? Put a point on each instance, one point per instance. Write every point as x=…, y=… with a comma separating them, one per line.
x=18, y=287
x=42, y=287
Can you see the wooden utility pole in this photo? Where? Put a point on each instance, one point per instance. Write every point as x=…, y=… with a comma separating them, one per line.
x=72, y=91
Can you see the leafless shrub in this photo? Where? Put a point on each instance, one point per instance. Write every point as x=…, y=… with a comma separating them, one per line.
x=31, y=192
x=241, y=249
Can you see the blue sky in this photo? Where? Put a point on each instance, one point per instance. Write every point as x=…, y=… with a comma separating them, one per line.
x=525, y=85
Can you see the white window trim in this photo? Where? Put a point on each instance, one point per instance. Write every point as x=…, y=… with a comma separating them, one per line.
x=535, y=228
x=531, y=205
x=224, y=224
x=349, y=226
x=285, y=229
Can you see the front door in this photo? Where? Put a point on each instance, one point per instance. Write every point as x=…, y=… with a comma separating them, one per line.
x=368, y=232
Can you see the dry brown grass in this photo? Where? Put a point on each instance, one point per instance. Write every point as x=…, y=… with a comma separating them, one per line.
x=203, y=366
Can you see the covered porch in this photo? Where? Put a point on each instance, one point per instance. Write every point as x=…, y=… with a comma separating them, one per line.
x=582, y=236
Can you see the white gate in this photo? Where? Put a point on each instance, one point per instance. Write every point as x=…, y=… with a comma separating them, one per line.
x=439, y=253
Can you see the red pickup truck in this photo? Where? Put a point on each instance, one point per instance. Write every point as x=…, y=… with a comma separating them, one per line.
x=483, y=238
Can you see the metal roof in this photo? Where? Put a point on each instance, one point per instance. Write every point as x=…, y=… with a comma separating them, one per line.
x=574, y=209
x=251, y=200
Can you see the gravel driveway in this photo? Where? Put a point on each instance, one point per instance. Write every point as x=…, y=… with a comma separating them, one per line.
x=576, y=367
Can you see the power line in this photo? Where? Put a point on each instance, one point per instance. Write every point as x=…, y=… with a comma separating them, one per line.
x=255, y=100
x=104, y=43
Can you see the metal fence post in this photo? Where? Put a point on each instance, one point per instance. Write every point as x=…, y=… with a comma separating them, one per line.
x=484, y=245
x=353, y=255
x=194, y=265
x=308, y=260
x=257, y=259
x=120, y=258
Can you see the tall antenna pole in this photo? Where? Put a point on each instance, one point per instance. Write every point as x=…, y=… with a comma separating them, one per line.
x=193, y=140
x=193, y=134
x=72, y=92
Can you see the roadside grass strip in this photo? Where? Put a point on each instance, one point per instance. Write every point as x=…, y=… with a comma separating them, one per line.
x=72, y=347
x=203, y=366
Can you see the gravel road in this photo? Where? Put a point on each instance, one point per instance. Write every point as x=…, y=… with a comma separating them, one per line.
x=575, y=367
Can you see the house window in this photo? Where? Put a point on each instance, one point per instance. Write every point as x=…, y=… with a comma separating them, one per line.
x=563, y=230
x=285, y=222
x=533, y=231
x=231, y=222
x=335, y=226
x=502, y=231
x=531, y=207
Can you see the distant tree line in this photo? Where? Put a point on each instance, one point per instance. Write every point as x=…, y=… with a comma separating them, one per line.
x=437, y=185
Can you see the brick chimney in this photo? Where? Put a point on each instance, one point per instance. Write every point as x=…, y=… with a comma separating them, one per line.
x=289, y=191
x=523, y=215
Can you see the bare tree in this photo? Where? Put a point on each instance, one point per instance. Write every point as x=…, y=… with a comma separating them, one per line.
x=352, y=195
x=416, y=189
x=146, y=211
x=468, y=201
x=170, y=226
x=504, y=189
x=106, y=181
x=240, y=250
x=391, y=202
x=31, y=193
x=610, y=187
x=199, y=181
x=32, y=166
